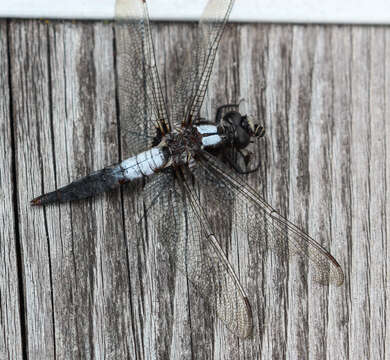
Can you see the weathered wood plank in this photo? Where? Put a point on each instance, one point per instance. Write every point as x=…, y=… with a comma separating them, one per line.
x=379, y=283
x=91, y=300
x=300, y=113
x=253, y=67
x=31, y=111
x=386, y=252
x=319, y=204
x=277, y=80
x=10, y=317
x=87, y=279
x=360, y=193
x=92, y=291
x=339, y=312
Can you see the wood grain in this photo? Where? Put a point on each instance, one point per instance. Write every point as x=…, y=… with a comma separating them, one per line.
x=91, y=291
x=10, y=301
x=31, y=115
x=88, y=262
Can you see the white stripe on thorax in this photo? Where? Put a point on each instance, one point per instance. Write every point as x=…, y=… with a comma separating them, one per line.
x=211, y=140
x=207, y=129
x=210, y=135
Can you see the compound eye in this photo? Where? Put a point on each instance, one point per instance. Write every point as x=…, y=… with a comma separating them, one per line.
x=244, y=122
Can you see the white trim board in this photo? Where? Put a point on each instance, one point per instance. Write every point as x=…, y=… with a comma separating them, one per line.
x=296, y=11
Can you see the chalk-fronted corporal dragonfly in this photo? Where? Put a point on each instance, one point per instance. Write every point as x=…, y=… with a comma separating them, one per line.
x=174, y=150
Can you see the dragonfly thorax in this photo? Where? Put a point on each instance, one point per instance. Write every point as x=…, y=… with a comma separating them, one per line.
x=183, y=144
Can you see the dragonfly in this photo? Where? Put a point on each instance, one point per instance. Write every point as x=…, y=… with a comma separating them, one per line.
x=175, y=151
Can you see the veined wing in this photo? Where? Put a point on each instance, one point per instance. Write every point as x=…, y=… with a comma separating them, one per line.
x=191, y=88
x=204, y=262
x=264, y=223
x=188, y=242
x=141, y=102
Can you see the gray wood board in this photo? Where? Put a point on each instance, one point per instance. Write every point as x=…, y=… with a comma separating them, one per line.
x=87, y=290
x=10, y=320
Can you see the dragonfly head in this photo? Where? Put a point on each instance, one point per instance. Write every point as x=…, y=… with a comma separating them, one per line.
x=242, y=129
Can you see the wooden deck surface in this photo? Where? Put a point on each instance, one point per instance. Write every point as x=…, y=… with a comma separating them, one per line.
x=72, y=283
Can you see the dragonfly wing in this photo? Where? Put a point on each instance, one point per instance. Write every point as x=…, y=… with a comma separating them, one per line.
x=191, y=88
x=263, y=223
x=200, y=257
x=187, y=241
x=141, y=103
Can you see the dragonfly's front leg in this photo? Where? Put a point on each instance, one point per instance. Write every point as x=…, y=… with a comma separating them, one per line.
x=218, y=115
x=247, y=157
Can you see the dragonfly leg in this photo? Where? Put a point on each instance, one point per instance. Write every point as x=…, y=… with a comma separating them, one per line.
x=218, y=115
x=247, y=157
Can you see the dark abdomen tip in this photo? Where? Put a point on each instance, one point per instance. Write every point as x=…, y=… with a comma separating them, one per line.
x=100, y=181
x=36, y=201
x=46, y=199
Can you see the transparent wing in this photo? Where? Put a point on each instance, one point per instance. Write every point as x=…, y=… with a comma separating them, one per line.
x=200, y=256
x=141, y=102
x=191, y=88
x=262, y=223
x=190, y=244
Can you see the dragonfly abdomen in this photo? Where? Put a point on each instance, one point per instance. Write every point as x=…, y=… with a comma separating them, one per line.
x=92, y=184
x=138, y=166
x=144, y=164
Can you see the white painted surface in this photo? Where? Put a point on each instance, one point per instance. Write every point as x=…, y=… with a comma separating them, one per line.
x=301, y=11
